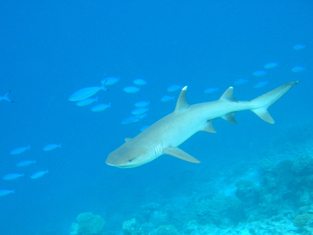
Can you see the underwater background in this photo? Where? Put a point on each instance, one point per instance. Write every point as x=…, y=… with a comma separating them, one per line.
x=254, y=178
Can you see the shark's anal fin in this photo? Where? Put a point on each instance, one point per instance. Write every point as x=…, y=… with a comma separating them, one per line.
x=181, y=101
x=180, y=154
x=209, y=127
x=230, y=117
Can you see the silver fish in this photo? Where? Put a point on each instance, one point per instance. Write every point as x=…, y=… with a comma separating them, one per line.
x=5, y=192
x=20, y=150
x=85, y=93
x=50, y=147
x=86, y=102
x=100, y=107
x=109, y=81
x=39, y=174
x=25, y=163
x=12, y=176
x=6, y=97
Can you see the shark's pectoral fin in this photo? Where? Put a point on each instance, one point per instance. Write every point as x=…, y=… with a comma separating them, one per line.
x=264, y=115
x=209, y=127
x=230, y=117
x=180, y=154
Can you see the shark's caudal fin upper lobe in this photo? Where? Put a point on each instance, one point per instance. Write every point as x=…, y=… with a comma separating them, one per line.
x=261, y=103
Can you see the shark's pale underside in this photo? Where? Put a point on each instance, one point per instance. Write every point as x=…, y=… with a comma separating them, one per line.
x=165, y=135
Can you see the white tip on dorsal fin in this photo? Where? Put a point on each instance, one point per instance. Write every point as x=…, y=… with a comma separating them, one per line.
x=180, y=154
x=181, y=101
x=228, y=94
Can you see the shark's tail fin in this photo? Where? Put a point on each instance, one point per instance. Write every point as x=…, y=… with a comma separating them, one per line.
x=261, y=103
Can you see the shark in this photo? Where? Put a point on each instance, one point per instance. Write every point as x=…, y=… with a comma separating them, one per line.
x=166, y=135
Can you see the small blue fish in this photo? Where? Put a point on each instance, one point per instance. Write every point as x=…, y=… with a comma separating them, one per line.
x=50, y=147
x=240, y=81
x=259, y=73
x=129, y=120
x=133, y=119
x=39, y=174
x=299, y=47
x=86, y=102
x=6, y=97
x=173, y=88
x=85, y=93
x=139, y=111
x=142, y=104
x=20, y=150
x=297, y=69
x=12, y=176
x=109, y=81
x=5, y=192
x=167, y=98
x=25, y=163
x=211, y=90
x=270, y=65
x=260, y=84
x=100, y=107
x=139, y=82
x=131, y=89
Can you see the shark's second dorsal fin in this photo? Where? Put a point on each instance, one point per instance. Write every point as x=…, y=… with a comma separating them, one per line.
x=228, y=94
x=181, y=101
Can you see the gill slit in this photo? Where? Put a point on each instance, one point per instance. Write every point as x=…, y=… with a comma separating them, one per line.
x=157, y=150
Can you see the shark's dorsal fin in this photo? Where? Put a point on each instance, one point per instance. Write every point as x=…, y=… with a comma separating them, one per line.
x=230, y=117
x=228, y=94
x=181, y=101
x=180, y=154
x=209, y=127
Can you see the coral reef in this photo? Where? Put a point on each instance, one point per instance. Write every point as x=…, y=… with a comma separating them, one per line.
x=88, y=223
x=273, y=198
x=132, y=227
x=165, y=230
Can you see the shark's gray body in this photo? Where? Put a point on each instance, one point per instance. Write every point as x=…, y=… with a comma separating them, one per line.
x=165, y=135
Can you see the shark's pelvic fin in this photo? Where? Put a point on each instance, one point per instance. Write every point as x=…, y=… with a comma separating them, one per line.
x=230, y=117
x=263, y=102
x=180, y=154
x=181, y=101
x=209, y=127
x=228, y=94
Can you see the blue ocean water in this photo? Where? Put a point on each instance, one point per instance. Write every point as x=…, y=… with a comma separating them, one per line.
x=50, y=49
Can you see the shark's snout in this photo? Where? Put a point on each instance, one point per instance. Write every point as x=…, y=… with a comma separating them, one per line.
x=119, y=161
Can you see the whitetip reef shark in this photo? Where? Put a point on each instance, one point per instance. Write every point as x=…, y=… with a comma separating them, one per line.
x=165, y=135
